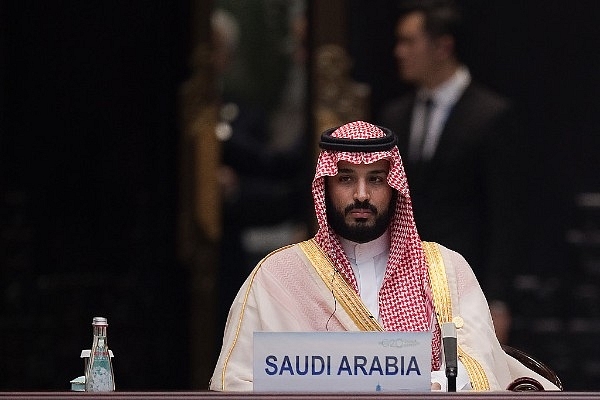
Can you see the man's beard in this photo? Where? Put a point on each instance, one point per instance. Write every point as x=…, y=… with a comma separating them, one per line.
x=360, y=231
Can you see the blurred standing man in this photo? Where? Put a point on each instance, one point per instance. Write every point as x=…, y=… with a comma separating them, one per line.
x=460, y=144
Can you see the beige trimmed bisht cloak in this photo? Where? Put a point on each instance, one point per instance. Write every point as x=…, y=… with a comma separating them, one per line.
x=285, y=293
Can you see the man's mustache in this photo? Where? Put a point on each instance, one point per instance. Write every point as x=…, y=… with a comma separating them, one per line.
x=360, y=205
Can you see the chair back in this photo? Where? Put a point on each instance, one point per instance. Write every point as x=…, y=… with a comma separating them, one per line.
x=526, y=383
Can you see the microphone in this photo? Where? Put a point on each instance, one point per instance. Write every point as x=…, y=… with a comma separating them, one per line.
x=450, y=354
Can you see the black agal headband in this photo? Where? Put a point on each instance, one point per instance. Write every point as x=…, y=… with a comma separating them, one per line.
x=385, y=143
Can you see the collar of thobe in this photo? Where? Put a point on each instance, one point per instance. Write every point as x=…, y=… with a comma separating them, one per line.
x=448, y=92
x=361, y=252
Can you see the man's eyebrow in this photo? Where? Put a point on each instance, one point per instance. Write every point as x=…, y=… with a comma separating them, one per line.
x=378, y=171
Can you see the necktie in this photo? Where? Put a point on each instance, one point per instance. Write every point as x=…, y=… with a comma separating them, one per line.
x=416, y=153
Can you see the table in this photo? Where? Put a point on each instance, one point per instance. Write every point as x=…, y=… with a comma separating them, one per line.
x=208, y=395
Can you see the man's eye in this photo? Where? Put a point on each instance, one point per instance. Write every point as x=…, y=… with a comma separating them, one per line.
x=345, y=178
x=378, y=179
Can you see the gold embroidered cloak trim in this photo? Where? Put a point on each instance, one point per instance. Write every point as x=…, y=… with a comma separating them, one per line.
x=340, y=289
x=443, y=308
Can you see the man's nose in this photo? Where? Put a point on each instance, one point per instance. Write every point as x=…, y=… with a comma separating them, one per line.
x=362, y=192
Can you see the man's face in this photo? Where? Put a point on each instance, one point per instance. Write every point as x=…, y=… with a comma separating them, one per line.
x=415, y=51
x=360, y=202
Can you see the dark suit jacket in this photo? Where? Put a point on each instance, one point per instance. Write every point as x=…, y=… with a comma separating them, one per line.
x=467, y=196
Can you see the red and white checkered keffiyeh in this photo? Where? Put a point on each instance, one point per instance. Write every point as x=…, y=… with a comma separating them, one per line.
x=405, y=301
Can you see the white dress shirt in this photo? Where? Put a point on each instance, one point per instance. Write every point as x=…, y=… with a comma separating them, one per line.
x=444, y=97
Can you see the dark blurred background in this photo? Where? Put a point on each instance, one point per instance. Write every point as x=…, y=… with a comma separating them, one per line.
x=90, y=177
x=89, y=190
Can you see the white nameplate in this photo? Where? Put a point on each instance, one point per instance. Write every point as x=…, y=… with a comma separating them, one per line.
x=342, y=361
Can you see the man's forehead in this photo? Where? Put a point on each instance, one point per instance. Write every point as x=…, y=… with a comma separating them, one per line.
x=414, y=21
x=379, y=165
